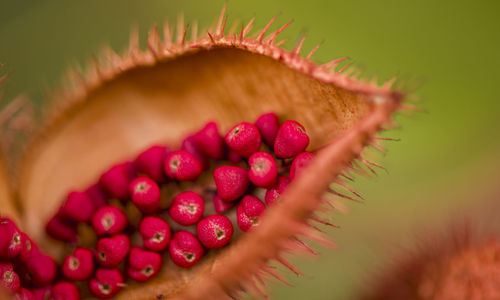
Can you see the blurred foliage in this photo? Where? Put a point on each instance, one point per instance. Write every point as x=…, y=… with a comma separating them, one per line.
x=448, y=155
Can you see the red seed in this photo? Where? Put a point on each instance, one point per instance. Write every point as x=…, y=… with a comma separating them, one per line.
x=24, y=294
x=275, y=192
x=220, y=205
x=182, y=166
x=65, y=290
x=110, y=252
x=244, y=138
x=109, y=220
x=150, y=162
x=29, y=245
x=268, y=125
x=79, y=265
x=41, y=267
x=299, y=162
x=263, y=169
x=62, y=230
x=187, y=208
x=248, y=212
x=233, y=157
x=106, y=283
x=209, y=141
x=143, y=265
x=155, y=233
x=117, y=179
x=185, y=249
x=231, y=182
x=98, y=195
x=290, y=140
x=78, y=207
x=145, y=194
x=190, y=146
x=9, y=278
x=43, y=293
x=11, y=239
x=215, y=231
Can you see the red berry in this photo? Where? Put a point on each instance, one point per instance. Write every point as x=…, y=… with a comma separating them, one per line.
x=8, y=278
x=155, y=233
x=109, y=220
x=268, y=125
x=145, y=194
x=182, y=166
x=231, y=182
x=275, y=192
x=41, y=267
x=248, y=212
x=29, y=245
x=143, y=265
x=62, y=230
x=106, y=283
x=78, y=207
x=111, y=251
x=190, y=146
x=117, y=179
x=244, y=138
x=299, y=162
x=43, y=293
x=24, y=294
x=215, y=231
x=79, y=265
x=150, y=162
x=98, y=195
x=209, y=141
x=263, y=169
x=220, y=205
x=65, y=290
x=187, y=208
x=11, y=239
x=185, y=249
x=290, y=140
x=233, y=157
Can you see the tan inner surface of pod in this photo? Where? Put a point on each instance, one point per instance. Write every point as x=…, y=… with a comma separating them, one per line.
x=7, y=207
x=163, y=103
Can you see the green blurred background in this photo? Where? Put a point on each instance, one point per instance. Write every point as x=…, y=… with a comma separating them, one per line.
x=446, y=163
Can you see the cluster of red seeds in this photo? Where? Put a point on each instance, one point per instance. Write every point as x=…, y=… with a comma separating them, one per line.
x=252, y=161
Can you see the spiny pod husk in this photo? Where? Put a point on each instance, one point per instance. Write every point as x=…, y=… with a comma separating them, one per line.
x=160, y=96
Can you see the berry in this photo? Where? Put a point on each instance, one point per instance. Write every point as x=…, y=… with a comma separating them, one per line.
x=268, y=125
x=98, y=195
x=231, y=182
x=143, y=265
x=150, y=162
x=290, y=140
x=78, y=207
x=263, y=169
x=185, y=249
x=65, y=291
x=79, y=265
x=209, y=141
x=62, y=230
x=43, y=293
x=111, y=251
x=214, y=231
x=189, y=145
x=155, y=233
x=106, y=283
x=24, y=294
x=117, y=179
x=145, y=194
x=109, y=220
x=244, y=138
x=275, y=192
x=8, y=278
x=41, y=267
x=182, y=166
x=299, y=162
x=220, y=205
x=28, y=246
x=248, y=212
x=11, y=239
x=233, y=157
x=187, y=208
